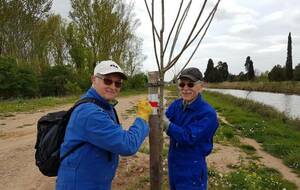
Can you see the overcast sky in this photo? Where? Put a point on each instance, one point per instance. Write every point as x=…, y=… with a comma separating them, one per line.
x=241, y=28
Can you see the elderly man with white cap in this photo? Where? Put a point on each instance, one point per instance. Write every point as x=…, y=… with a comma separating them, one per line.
x=93, y=165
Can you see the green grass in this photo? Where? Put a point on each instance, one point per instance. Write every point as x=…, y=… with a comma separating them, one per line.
x=22, y=105
x=226, y=135
x=279, y=135
x=250, y=177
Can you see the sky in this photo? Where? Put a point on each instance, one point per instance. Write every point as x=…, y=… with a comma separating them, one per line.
x=240, y=28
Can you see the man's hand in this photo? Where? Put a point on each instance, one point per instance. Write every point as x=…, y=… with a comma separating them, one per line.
x=144, y=110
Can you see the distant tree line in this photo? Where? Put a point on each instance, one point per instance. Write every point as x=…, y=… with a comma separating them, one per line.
x=220, y=72
x=43, y=55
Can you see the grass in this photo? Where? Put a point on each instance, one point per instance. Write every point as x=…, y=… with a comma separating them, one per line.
x=290, y=87
x=279, y=135
x=22, y=105
x=251, y=177
x=226, y=135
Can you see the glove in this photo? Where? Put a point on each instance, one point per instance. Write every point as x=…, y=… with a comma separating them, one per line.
x=144, y=110
x=166, y=123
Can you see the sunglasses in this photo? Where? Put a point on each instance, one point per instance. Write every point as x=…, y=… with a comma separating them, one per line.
x=108, y=82
x=189, y=84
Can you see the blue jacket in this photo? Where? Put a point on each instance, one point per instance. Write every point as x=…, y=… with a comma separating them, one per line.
x=93, y=165
x=191, y=134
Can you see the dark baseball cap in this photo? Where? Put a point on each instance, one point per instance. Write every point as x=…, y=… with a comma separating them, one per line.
x=192, y=73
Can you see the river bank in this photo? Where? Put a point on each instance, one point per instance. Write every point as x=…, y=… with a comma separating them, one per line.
x=288, y=87
x=278, y=135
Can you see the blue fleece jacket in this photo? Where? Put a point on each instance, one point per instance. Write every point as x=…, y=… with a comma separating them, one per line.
x=93, y=165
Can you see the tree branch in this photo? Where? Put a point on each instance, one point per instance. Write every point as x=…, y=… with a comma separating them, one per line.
x=157, y=35
x=153, y=33
x=180, y=24
x=162, y=35
x=196, y=47
x=209, y=18
x=174, y=24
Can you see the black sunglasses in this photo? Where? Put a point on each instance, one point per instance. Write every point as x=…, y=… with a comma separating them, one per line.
x=189, y=84
x=118, y=84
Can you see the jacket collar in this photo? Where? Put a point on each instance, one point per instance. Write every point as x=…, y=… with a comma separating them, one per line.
x=194, y=104
x=92, y=93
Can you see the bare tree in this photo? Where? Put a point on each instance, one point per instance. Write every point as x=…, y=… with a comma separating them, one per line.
x=165, y=56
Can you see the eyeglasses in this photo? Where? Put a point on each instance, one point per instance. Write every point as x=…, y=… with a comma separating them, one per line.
x=108, y=82
x=189, y=84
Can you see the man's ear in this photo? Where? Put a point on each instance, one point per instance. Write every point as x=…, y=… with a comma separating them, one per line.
x=93, y=78
x=201, y=87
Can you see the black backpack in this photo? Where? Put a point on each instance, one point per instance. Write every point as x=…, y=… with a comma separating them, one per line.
x=50, y=135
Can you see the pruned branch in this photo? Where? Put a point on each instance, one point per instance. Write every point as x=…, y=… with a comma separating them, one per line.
x=208, y=19
x=174, y=24
x=196, y=46
x=153, y=34
x=162, y=35
x=150, y=16
x=180, y=24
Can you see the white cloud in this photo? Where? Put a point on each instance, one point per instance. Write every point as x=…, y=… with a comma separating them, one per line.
x=233, y=45
x=245, y=27
x=273, y=48
x=273, y=16
x=275, y=39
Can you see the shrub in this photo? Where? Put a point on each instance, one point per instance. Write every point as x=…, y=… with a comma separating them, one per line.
x=72, y=88
x=297, y=72
x=137, y=81
x=8, y=82
x=54, y=80
x=277, y=73
x=27, y=82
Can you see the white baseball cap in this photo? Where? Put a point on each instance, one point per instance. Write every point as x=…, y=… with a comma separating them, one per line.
x=108, y=67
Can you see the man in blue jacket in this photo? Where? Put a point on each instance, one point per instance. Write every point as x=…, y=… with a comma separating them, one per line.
x=191, y=124
x=93, y=165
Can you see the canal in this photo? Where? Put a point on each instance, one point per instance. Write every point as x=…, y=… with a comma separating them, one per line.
x=288, y=104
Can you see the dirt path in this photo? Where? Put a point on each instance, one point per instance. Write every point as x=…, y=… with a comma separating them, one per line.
x=17, y=138
x=269, y=160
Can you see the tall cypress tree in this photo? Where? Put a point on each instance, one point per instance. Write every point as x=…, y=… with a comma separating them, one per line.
x=289, y=61
x=249, y=68
x=209, y=70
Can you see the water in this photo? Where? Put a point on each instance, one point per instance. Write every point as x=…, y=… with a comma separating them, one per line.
x=288, y=104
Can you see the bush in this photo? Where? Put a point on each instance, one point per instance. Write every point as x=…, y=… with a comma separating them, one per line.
x=137, y=81
x=16, y=80
x=27, y=82
x=277, y=73
x=72, y=88
x=8, y=82
x=297, y=72
x=54, y=80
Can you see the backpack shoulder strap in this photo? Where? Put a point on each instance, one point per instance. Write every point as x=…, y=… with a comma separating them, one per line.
x=117, y=118
x=68, y=115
